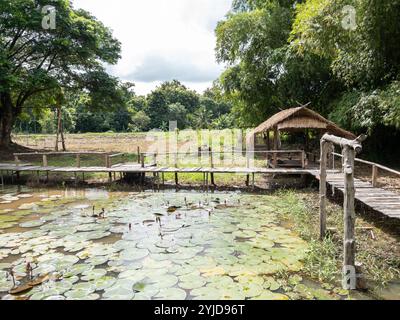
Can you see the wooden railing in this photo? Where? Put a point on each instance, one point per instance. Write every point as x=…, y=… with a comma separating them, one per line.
x=375, y=168
x=211, y=154
x=107, y=157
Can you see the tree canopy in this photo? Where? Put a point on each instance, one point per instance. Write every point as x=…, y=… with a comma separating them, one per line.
x=36, y=60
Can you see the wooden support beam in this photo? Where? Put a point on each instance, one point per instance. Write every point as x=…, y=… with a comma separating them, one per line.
x=322, y=189
x=141, y=159
x=375, y=174
x=349, y=212
x=212, y=165
x=78, y=160
x=16, y=159
x=276, y=147
x=45, y=163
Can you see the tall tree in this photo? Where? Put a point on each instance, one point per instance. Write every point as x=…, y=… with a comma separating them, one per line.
x=34, y=59
x=167, y=94
x=361, y=39
x=263, y=74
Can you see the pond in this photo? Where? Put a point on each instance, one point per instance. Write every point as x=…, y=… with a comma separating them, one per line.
x=58, y=245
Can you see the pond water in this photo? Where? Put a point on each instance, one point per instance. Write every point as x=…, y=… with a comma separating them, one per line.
x=168, y=245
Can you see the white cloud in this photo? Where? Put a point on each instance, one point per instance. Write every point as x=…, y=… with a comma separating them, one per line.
x=163, y=39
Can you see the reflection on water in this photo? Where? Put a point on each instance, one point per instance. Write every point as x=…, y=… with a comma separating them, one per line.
x=91, y=244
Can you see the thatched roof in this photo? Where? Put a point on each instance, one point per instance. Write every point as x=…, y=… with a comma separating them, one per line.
x=301, y=118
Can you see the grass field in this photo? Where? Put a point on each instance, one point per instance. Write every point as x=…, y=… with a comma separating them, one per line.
x=185, y=142
x=129, y=142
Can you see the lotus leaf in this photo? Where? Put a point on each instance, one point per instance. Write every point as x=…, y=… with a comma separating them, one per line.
x=189, y=282
x=171, y=294
x=103, y=283
x=133, y=254
x=267, y=295
x=271, y=284
x=93, y=274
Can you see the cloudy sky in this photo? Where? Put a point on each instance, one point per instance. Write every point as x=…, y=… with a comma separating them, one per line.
x=163, y=39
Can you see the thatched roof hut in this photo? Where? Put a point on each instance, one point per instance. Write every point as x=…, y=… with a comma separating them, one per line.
x=296, y=120
x=299, y=119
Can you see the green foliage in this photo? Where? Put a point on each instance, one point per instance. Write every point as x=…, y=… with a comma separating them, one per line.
x=264, y=75
x=140, y=122
x=343, y=56
x=34, y=60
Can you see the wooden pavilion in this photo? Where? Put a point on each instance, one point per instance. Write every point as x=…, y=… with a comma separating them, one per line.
x=300, y=121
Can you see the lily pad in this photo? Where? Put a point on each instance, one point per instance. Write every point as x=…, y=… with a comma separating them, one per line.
x=171, y=294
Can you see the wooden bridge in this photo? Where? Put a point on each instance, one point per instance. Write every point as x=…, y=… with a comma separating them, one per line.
x=383, y=201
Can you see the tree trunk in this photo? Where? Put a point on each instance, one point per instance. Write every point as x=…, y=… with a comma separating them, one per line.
x=6, y=121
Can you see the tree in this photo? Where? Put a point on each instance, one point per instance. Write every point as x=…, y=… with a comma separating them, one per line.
x=364, y=56
x=167, y=94
x=263, y=74
x=140, y=122
x=34, y=60
x=178, y=113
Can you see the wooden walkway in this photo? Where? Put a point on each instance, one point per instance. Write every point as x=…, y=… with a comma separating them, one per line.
x=380, y=200
x=137, y=168
x=384, y=201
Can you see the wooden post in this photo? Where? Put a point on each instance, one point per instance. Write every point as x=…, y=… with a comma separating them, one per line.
x=275, y=157
x=375, y=176
x=247, y=166
x=350, y=148
x=141, y=159
x=176, y=166
x=138, y=154
x=268, y=141
x=16, y=161
x=176, y=178
x=199, y=155
x=45, y=160
x=349, y=211
x=322, y=189
x=212, y=166
x=221, y=148
x=78, y=160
